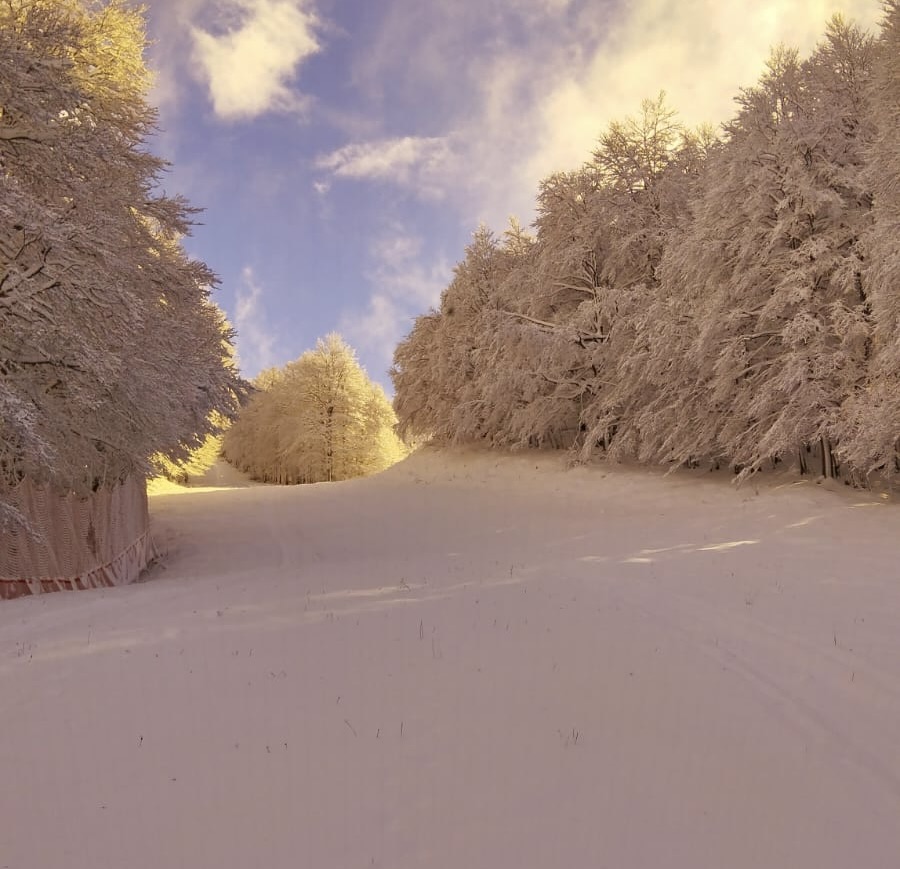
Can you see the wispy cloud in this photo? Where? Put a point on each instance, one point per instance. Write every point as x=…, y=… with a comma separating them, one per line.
x=169, y=46
x=402, y=287
x=554, y=73
x=255, y=343
x=251, y=65
x=408, y=160
x=699, y=53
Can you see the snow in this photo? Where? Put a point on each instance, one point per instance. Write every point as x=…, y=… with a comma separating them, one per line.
x=470, y=660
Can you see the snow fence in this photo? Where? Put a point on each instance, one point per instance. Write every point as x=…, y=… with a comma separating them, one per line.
x=76, y=542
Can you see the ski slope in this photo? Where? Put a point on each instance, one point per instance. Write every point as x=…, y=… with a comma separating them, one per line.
x=469, y=661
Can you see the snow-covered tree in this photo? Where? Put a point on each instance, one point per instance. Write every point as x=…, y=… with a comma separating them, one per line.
x=648, y=170
x=769, y=271
x=601, y=236
x=319, y=420
x=871, y=439
x=522, y=346
x=688, y=296
x=110, y=351
x=440, y=368
x=417, y=401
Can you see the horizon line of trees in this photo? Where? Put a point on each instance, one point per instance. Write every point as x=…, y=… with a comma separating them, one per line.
x=688, y=296
x=111, y=351
x=318, y=419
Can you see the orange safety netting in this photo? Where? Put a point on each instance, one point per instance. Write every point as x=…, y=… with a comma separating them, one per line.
x=76, y=542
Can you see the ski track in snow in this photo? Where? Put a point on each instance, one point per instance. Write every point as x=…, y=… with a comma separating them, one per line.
x=469, y=661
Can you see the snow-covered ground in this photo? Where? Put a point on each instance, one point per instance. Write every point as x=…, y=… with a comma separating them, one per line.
x=469, y=661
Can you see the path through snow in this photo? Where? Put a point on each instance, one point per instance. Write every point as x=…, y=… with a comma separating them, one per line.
x=469, y=661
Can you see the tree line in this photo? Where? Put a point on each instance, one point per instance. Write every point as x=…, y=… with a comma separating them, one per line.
x=689, y=295
x=111, y=351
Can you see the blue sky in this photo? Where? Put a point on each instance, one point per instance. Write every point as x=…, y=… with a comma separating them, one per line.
x=345, y=150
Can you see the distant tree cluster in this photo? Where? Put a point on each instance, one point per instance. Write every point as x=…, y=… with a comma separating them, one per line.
x=200, y=459
x=110, y=350
x=319, y=419
x=691, y=297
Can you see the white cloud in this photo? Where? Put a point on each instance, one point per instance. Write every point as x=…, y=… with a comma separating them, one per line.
x=168, y=48
x=700, y=53
x=250, y=67
x=255, y=344
x=403, y=288
x=408, y=160
x=553, y=76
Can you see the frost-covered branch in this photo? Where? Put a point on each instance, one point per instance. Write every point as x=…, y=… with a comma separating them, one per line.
x=97, y=374
x=686, y=296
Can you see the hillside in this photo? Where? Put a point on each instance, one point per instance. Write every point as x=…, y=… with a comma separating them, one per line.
x=469, y=661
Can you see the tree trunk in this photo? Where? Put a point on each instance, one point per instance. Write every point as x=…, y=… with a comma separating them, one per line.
x=827, y=459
